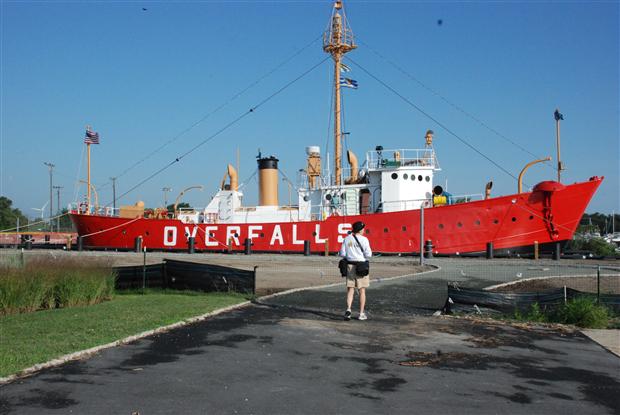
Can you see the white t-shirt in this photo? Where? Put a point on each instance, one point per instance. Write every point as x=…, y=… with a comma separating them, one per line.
x=352, y=251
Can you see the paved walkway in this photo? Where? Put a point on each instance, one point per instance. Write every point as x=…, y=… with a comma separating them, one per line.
x=293, y=354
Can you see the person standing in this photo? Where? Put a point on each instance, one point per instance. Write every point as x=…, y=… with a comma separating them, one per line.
x=355, y=249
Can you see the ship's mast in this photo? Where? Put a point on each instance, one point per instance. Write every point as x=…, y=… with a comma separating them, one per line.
x=338, y=40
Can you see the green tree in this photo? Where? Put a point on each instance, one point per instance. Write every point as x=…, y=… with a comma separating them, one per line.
x=10, y=215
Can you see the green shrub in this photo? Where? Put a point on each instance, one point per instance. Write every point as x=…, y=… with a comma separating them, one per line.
x=583, y=312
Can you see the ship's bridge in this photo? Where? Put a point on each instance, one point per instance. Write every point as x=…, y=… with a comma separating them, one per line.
x=381, y=159
x=401, y=179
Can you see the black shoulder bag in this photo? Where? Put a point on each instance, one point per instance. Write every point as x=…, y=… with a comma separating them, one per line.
x=361, y=268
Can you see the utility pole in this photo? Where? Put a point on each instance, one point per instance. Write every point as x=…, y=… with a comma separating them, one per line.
x=58, y=207
x=113, y=193
x=51, y=169
x=166, y=190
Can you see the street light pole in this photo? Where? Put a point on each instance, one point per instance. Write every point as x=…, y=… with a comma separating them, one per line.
x=51, y=169
x=166, y=190
x=58, y=206
x=113, y=193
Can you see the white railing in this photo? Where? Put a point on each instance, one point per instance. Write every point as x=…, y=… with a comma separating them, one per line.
x=93, y=210
x=389, y=159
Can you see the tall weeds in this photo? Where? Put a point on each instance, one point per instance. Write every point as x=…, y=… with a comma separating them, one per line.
x=54, y=282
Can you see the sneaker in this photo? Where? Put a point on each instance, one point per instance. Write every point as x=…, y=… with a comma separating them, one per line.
x=347, y=315
x=363, y=316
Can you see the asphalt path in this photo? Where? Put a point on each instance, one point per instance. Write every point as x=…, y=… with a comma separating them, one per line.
x=293, y=354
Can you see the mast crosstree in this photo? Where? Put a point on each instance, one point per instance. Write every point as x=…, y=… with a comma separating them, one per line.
x=338, y=40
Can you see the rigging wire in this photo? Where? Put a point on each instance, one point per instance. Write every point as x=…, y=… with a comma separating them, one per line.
x=220, y=107
x=427, y=115
x=226, y=127
x=453, y=105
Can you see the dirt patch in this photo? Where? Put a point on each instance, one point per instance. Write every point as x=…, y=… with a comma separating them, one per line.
x=609, y=284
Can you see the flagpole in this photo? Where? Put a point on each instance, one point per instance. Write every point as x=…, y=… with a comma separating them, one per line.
x=87, y=170
x=88, y=178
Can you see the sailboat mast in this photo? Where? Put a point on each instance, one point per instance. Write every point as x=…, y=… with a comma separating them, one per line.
x=338, y=40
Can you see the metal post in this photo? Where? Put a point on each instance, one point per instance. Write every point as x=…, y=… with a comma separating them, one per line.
x=557, y=252
x=536, y=250
x=247, y=246
x=489, y=250
x=191, y=245
x=17, y=227
x=326, y=247
x=428, y=249
x=80, y=243
x=306, y=248
x=137, y=244
x=422, y=235
x=598, y=284
x=143, y=268
x=565, y=294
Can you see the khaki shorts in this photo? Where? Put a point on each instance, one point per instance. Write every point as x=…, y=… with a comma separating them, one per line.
x=353, y=281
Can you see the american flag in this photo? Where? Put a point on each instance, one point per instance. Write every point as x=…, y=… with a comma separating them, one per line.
x=91, y=137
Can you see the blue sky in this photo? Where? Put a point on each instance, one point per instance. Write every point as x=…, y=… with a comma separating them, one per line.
x=140, y=78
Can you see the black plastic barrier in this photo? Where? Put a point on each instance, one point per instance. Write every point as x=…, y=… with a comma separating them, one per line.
x=183, y=275
x=509, y=302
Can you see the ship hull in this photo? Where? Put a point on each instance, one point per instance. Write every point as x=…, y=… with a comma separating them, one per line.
x=508, y=222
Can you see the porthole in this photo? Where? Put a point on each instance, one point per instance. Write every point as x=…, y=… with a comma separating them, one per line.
x=460, y=225
x=495, y=221
x=477, y=222
x=394, y=176
x=236, y=235
x=441, y=226
x=367, y=231
x=328, y=197
x=405, y=176
x=147, y=233
x=404, y=229
x=413, y=177
x=514, y=219
x=531, y=217
x=313, y=233
x=420, y=177
x=124, y=232
x=385, y=230
x=428, y=178
x=262, y=235
x=211, y=235
x=306, y=198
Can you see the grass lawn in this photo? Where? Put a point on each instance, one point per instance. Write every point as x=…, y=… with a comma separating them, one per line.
x=31, y=338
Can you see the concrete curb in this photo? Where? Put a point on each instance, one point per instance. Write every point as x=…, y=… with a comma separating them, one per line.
x=84, y=353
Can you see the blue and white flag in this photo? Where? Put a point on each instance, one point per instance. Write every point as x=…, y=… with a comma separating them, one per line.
x=348, y=82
